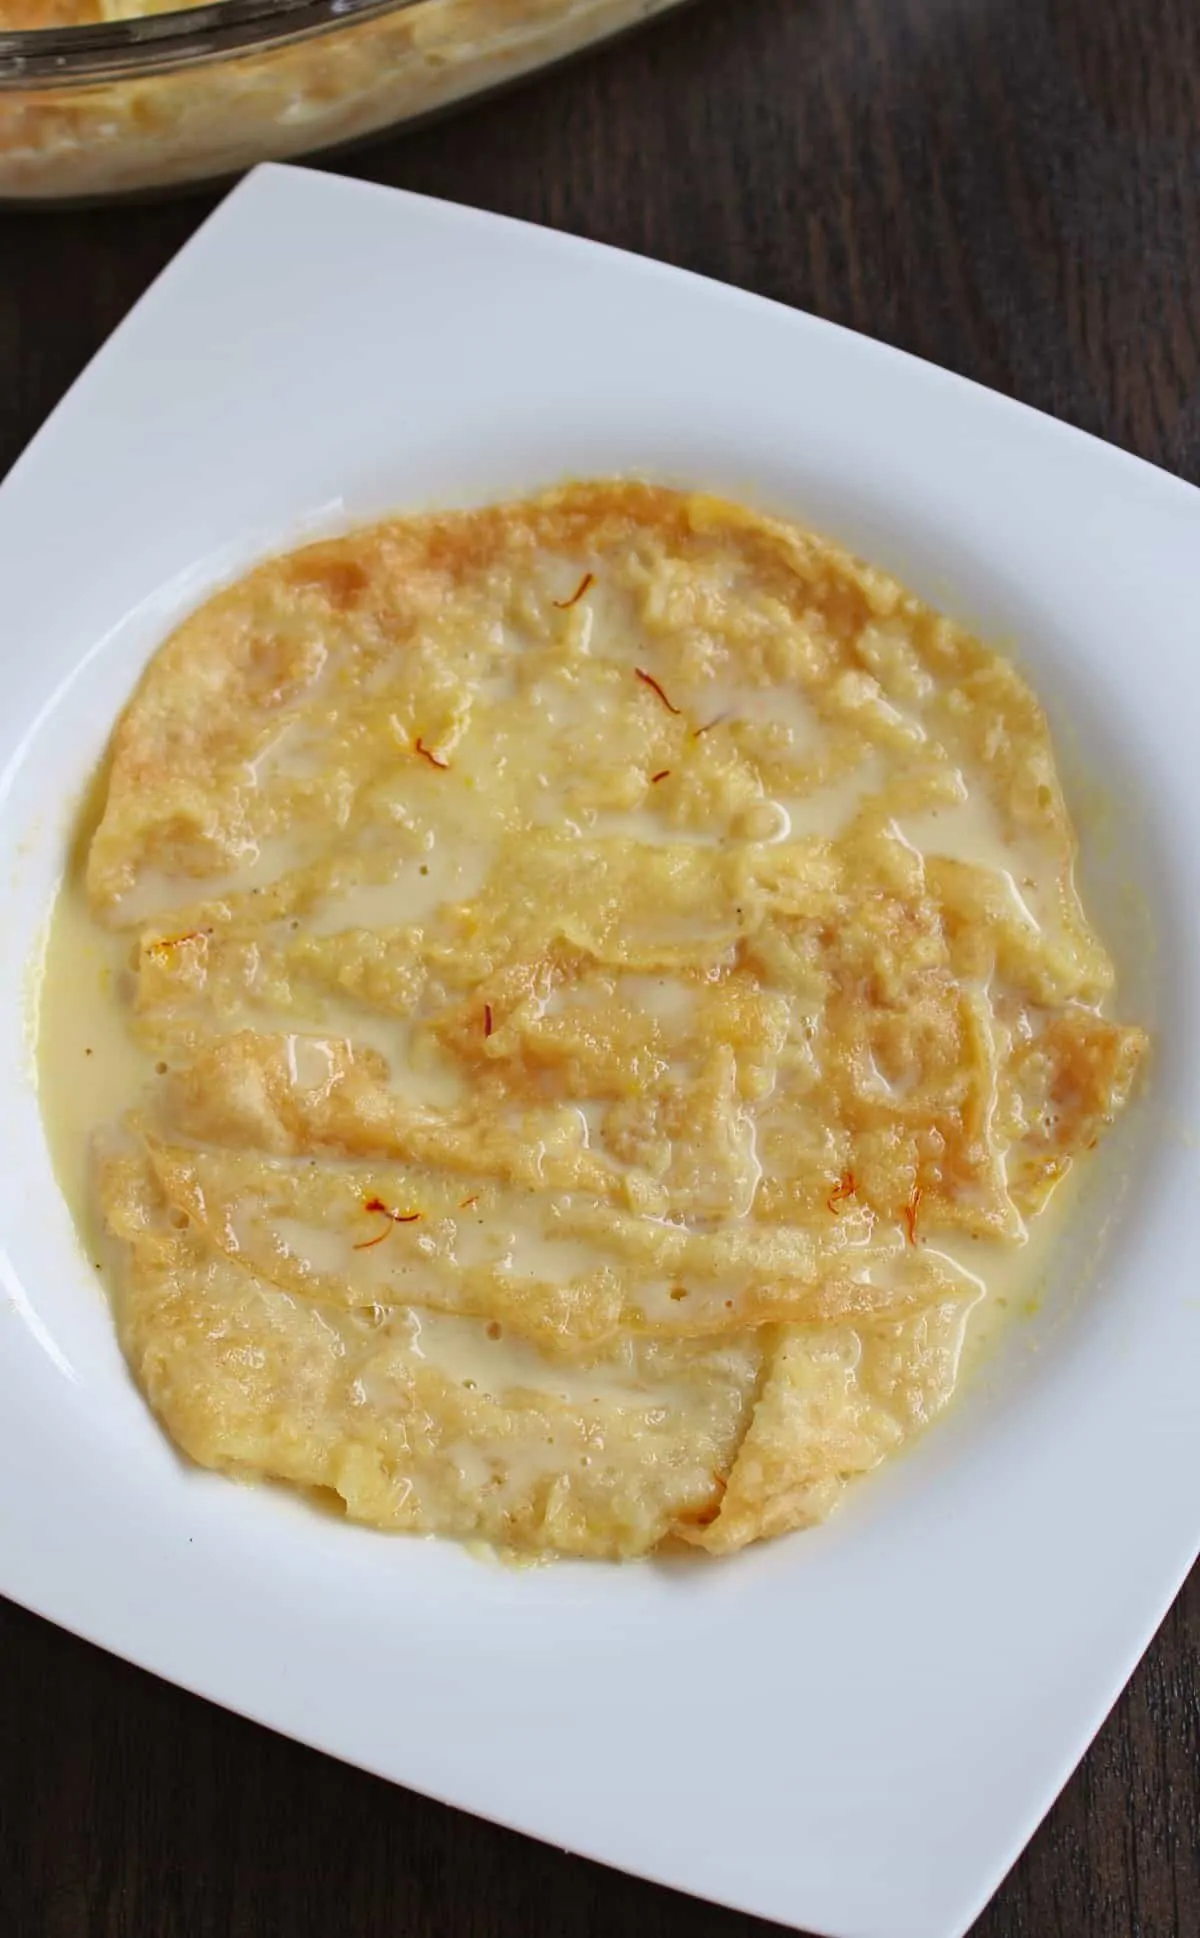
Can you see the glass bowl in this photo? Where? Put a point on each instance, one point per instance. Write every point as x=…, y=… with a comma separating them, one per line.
x=162, y=99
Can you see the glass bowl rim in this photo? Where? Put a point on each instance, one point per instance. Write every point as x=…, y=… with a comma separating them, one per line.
x=144, y=44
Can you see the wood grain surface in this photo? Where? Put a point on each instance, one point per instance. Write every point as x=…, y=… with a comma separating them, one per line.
x=1008, y=187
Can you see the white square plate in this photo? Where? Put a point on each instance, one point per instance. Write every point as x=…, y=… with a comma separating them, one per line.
x=851, y=1730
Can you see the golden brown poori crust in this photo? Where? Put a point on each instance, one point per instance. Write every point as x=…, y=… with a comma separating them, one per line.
x=718, y=1087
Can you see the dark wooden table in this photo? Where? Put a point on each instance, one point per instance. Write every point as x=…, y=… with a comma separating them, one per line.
x=1008, y=187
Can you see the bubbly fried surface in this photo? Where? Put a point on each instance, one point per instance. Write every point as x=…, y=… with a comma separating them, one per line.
x=592, y=961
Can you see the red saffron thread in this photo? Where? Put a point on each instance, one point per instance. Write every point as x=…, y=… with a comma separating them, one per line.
x=662, y=775
x=173, y=941
x=649, y=680
x=588, y=579
x=845, y=1188
x=393, y=1217
x=487, y=1019
x=433, y=760
x=910, y=1213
